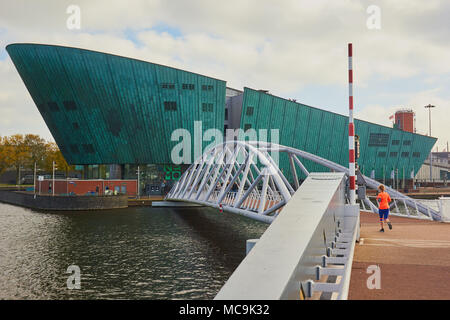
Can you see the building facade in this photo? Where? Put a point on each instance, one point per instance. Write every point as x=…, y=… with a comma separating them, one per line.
x=114, y=117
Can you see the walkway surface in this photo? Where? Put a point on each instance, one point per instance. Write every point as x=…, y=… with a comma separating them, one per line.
x=413, y=257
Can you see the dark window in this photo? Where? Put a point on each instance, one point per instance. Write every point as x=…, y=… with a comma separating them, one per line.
x=70, y=105
x=405, y=154
x=382, y=154
x=42, y=107
x=207, y=107
x=75, y=125
x=226, y=114
x=407, y=142
x=53, y=106
x=395, y=142
x=393, y=154
x=88, y=148
x=225, y=127
x=378, y=140
x=168, y=86
x=170, y=105
x=416, y=154
x=188, y=86
x=207, y=87
x=249, y=111
x=247, y=126
x=74, y=148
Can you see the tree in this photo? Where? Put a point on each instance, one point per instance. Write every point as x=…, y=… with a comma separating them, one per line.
x=23, y=151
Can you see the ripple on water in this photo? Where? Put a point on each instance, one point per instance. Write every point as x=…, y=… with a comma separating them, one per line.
x=133, y=253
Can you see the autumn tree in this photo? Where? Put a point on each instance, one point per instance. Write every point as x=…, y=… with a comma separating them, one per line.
x=20, y=152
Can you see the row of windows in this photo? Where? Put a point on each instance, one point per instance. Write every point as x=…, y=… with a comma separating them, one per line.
x=87, y=148
x=187, y=86
x=394, y=154
x=172, y=106
x=53, y=106
x=378, y=140
x=207, y=107
x=207, y=87
x=397, y=142
x=168, y=86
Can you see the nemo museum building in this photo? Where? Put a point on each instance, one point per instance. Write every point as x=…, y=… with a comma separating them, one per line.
x=110, y=114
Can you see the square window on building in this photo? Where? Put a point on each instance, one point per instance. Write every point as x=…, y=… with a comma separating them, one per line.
x=53, y=106
x=393, y=154
x=69, y=105
x=395, y=142
x=382, y=154
x=249, y=111
x=170, y=105
x=204, y=87
x=416, y=154
x=74, y=148
x=405, y=154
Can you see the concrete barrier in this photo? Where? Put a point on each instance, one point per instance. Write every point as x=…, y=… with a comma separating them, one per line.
x=445, y=208
x=48, y=202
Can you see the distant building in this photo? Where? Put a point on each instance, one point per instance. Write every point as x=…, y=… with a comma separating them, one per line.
x=405, y=120
x=440, y=168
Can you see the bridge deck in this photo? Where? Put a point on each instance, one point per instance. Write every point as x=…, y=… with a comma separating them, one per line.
x=414, y=259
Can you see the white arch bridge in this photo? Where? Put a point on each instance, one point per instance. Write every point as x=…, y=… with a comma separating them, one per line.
x=307, y=252
x=242, y=177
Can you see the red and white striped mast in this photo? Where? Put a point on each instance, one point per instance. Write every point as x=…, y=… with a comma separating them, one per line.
x=351, y=130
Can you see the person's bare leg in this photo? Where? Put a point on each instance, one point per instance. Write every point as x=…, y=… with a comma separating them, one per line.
x=389, y=223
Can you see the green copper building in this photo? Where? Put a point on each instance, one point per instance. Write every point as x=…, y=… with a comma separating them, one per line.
x=109, y=113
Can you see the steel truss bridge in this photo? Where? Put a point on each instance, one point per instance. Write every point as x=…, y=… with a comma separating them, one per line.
x=307, y=250
x=242, y=177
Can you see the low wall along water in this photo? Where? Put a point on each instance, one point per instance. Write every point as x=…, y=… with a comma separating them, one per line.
x=48, y=202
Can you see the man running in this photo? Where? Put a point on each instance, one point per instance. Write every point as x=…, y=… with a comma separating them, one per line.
x=383, y=199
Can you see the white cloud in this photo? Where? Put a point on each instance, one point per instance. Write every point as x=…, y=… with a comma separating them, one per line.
x=281, y=46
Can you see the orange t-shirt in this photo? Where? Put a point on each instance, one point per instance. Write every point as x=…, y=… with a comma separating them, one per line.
x=385, y=199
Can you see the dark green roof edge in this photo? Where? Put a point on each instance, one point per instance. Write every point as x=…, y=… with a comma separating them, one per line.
x=105, y=53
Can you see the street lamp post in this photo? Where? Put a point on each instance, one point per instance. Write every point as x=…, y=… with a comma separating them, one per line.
x=431, y=152
x=53, y=183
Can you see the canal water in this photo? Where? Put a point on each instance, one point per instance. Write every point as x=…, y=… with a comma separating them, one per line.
x=133, y=253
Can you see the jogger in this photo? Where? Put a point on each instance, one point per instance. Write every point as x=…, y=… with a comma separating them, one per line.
x=383, y=199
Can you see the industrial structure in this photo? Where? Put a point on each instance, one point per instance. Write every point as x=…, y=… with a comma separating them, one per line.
x=110, y=114
x=405, y=119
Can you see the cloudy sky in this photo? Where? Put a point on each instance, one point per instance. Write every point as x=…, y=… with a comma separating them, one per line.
x=294, y=48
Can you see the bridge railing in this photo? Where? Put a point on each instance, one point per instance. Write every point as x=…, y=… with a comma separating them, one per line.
x=400, y=207
x=307, y=252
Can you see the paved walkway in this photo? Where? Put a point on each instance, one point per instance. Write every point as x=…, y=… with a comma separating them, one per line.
x=414, y=259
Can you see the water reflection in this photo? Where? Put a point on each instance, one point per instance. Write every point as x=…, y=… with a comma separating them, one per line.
x=134, y=253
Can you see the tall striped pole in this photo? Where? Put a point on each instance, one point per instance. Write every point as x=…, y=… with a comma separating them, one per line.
x=351, y=130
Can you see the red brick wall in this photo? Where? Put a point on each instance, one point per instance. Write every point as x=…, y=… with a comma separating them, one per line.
x=81, y=187
x=406, y=121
